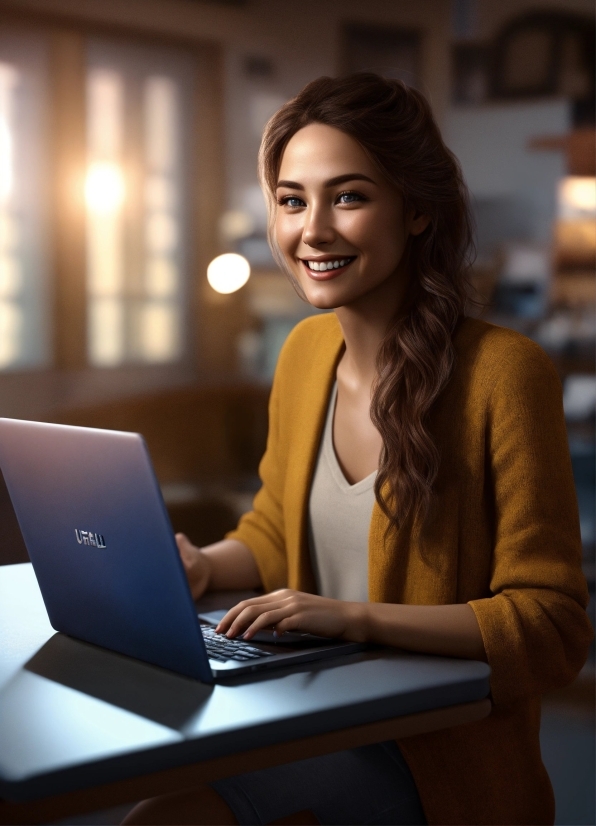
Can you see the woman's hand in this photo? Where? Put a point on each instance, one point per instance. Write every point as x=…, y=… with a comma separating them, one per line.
x=447, y=630
x=288, y=610
x=224, y=566
x=196, y=564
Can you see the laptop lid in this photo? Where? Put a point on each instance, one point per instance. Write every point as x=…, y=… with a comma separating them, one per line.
x=100, y=540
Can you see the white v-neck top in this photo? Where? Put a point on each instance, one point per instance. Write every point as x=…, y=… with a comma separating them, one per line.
x=338, y=523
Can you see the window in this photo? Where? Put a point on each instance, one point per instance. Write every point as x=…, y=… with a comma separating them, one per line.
x=103, y=227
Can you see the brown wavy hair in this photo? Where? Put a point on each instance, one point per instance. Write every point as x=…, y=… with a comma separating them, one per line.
x=394, y=125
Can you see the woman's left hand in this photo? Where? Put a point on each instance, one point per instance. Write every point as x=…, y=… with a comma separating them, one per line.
x=287, y=610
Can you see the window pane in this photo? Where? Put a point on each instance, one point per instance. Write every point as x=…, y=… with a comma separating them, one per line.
x=161, y=277
x=11, y=329
x=23, y=254
x=159, y=332
x=104, y=198
x=105, y=95
x=105, y=260
x=159, y=339
x=161, y=123
x=138, y=99
x=106, y=331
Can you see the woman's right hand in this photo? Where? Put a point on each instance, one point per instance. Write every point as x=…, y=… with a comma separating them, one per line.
x=196, y=564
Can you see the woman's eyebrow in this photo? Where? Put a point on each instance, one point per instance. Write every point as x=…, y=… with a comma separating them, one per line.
x=339, y=179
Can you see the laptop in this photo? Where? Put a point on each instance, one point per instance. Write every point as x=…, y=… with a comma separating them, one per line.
x=103, y=550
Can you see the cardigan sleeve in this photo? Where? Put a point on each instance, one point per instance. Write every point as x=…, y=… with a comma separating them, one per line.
x=262, y=528
x=534, y=625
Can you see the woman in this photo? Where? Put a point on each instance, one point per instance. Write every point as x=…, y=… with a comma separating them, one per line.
x=417, y=489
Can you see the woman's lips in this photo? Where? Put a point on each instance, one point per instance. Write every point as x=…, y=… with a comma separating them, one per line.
x=327, y=275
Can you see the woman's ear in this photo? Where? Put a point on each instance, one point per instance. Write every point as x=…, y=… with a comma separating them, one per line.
x=418, y=222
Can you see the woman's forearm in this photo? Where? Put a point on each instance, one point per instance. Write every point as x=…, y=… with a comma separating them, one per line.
x=232, y=566
x=448, y=630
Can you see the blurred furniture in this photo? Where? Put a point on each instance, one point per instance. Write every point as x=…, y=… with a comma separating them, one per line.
x=471, y=64
x=574, y=241
x=579, y=147
x=573, y=287
x=547, y=53
x=82, y=728
x=540, y=53
x=389, y=51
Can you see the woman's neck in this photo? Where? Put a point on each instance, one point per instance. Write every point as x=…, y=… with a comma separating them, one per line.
x=364, y=325
x=362, y=339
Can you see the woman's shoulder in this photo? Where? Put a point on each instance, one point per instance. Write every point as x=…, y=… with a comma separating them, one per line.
x=320, y=325
x=306, y=365
x=491, y=353
x=318, y=336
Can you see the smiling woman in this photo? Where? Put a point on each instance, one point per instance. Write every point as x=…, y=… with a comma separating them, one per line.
x=351, y=224
x=417, y=489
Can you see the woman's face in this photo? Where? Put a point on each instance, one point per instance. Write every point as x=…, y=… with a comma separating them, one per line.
x=339, y=224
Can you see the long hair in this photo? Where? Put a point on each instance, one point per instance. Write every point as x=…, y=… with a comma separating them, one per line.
x=394, y=125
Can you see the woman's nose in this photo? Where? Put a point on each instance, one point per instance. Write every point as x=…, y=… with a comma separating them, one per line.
x=318, y=229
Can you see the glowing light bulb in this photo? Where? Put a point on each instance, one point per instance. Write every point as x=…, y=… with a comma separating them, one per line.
x=104, y=187
x=577, y=196
x=228, y=272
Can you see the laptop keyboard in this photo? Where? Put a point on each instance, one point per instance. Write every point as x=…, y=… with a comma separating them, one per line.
x=221, y=648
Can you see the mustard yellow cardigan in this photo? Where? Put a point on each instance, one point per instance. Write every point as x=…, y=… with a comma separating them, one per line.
x=503, y=536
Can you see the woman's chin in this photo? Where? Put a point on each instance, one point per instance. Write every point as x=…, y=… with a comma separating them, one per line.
x=322, y=298
x=323, y=305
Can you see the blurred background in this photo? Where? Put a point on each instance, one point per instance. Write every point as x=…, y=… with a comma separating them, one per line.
x=129, y=132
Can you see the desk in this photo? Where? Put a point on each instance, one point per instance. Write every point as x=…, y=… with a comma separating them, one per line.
x=82, y=728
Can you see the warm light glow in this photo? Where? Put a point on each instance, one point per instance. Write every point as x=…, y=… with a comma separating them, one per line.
x=104, y=196
x=135, y=231
x=105, y=261
x=104, y=187
x=227, y=273
x=577, y=197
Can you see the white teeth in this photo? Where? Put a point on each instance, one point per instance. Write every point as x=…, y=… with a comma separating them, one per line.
x=322, y=266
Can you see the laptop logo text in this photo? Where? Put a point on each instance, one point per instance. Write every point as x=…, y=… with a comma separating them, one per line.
x=89, y=538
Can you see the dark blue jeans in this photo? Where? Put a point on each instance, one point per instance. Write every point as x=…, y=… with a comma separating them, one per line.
x=367, y=785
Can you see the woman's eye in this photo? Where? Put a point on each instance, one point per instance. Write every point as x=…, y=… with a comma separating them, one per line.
x=349, y=197
x=291, y=201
